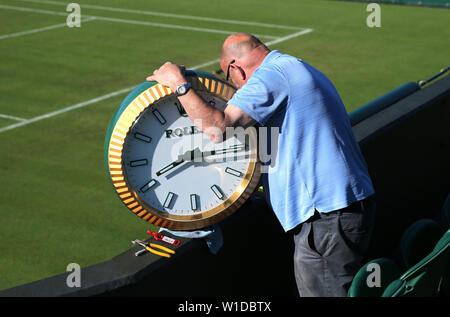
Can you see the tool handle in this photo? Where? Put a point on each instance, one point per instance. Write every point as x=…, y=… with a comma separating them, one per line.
x=162, y=248
x=159, y=236
x=158, y=253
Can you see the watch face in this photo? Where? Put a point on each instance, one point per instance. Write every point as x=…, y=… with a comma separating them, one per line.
x=181, y=90
x=170, y=173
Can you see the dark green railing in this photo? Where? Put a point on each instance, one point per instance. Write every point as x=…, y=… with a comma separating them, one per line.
x=390, y=98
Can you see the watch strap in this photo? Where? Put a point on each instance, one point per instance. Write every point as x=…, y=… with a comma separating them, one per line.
x=182, y=89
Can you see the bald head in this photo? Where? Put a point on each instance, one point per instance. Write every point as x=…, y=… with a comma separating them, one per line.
x=243, y=47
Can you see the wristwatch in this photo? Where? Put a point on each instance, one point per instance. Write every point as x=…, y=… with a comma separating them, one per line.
x=183, y=89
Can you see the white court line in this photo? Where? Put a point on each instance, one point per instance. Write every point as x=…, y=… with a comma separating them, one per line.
x=281, y=39
x=33, y=10
x=290, y=36
x=172, y=15
x=76, y=106
x=163, y=25
x=121, y=91
x=51, y=27
x=5, y=116
x=172, y=26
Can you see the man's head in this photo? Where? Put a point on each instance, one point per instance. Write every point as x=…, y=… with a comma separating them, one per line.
x=241, y=54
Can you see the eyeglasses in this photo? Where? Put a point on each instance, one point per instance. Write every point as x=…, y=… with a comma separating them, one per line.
x=228, y=70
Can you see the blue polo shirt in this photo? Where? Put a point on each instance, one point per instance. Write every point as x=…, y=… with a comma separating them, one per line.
x=317, y=163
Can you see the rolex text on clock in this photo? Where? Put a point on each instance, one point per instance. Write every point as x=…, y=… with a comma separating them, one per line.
x=166, y=170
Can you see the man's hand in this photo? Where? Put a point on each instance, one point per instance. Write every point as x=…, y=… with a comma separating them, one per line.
x=170, y=75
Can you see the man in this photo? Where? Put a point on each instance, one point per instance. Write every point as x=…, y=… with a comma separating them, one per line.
x=319, y=187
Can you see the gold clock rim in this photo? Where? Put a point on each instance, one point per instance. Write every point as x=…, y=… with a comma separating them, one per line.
x=132, y=199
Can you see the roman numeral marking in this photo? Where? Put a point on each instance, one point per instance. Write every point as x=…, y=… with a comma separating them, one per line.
x=233, y=172
x=194, y=205
x=147, y=186
x=217, y=191
x=138, y=163
x=159, y=116
x=142, y=137
x=168, y=200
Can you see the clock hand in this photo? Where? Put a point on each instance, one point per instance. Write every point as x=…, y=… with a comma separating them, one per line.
x=193, y=155
x=196, y=154
x=232, y=149
x=186, y=157
x=169, y=167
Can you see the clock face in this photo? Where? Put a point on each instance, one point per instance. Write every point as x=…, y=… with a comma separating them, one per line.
x=168, y=172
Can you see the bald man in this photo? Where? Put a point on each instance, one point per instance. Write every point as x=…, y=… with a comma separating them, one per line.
x=318, y=186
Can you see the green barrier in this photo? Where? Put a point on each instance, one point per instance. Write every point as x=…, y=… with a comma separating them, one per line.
x=426, y=278
x=389, y=272
x=382, y=102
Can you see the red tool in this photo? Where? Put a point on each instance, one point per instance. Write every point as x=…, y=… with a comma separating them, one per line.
x=159, y=236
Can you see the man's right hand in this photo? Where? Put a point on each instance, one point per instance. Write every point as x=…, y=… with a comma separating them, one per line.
x=169, y=74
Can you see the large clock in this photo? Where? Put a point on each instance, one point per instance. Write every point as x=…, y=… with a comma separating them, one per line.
x=166, y=170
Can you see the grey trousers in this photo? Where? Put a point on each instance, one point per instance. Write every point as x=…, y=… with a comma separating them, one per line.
x=329, y=248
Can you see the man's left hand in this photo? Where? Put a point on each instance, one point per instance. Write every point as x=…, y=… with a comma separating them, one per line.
x=169, y=74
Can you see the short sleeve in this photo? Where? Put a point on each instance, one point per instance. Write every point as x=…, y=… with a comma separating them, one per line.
x=262, y=95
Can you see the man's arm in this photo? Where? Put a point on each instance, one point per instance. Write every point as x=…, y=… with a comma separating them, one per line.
x=211, y=121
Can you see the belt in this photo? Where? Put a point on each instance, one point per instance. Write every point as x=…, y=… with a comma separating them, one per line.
x=357, y=206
